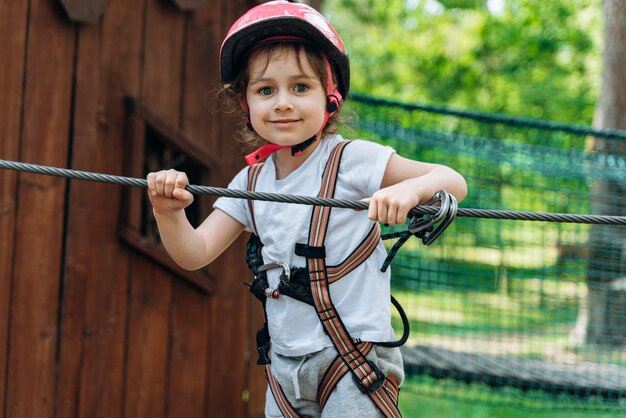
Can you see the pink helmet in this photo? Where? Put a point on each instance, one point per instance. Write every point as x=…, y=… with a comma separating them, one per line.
x=278, y=19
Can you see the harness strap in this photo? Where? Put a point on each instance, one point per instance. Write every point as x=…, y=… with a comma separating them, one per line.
x=263, y=335
x=281, y=400
x=334, y=374
x=367, y=376
x=359, y=255
x=338, y=369
x=253, y=175
x=369, y=379
x=362, y=252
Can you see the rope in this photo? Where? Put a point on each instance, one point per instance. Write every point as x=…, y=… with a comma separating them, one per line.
x=496, y=118
x=317, y=201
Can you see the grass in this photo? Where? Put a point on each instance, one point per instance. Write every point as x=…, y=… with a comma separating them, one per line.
x=424, y=397
x=465, y=305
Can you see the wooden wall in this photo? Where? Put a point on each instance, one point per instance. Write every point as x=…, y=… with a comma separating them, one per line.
x=89, y=326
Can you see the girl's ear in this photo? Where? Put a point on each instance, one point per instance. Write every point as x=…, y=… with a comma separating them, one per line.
x=244, y=105
x=333, y=99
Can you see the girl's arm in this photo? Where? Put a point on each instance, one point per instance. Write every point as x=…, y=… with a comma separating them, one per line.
x=191, y=248
x=408, y=183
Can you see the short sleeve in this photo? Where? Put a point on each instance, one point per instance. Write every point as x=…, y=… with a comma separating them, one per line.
x=234, y=207
x=364, y=164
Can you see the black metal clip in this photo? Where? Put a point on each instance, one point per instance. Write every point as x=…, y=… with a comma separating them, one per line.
x=429, y=228
x=263, y=346
x=425, y=227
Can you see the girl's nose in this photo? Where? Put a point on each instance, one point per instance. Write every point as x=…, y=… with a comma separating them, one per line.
x=283, y=102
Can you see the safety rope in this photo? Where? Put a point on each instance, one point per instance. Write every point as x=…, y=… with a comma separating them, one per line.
x=495, y=118
x=315, y=201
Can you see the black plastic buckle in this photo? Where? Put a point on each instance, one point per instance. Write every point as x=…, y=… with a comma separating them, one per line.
x=264, y=355
x=375, y=385
x=310, y=251
x=263, y=347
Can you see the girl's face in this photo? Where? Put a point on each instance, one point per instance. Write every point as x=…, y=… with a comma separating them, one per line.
x=285, y=97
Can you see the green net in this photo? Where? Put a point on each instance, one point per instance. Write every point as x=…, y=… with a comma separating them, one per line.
x=504, y=310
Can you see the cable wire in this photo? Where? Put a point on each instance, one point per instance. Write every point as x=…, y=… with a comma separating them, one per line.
x=316, y=201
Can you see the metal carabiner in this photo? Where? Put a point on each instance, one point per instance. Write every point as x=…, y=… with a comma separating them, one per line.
x=286, y=274
x=427, y=228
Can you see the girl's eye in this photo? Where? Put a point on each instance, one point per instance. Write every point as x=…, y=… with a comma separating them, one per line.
x=265, y=91
x=300, y=88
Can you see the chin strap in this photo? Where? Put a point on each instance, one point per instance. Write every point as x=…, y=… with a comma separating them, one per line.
x=333, y=98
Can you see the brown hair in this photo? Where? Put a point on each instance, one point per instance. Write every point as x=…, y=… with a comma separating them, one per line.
x=236, y=90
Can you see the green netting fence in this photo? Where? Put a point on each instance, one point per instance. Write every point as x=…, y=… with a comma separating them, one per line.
x=513, y=311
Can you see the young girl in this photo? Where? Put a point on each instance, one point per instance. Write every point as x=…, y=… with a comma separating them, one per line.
x=288, y=71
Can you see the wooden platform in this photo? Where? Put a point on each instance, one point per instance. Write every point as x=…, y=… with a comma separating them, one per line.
x=583, y=379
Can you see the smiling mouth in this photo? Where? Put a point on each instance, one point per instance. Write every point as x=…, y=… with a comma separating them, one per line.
x=285, y=121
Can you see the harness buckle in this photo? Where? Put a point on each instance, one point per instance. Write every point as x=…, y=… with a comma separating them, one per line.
x=285, y=275
x=263, y=346
x=375, y=385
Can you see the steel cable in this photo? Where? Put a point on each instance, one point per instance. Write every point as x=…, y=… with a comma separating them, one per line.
x=317, y=201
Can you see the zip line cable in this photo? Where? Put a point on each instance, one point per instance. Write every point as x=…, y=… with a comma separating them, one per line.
x=316, y=201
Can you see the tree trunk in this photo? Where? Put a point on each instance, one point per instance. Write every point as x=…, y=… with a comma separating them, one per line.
x=602, y=314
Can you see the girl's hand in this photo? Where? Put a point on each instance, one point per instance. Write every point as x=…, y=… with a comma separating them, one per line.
x=166, y=190
x=392, y=204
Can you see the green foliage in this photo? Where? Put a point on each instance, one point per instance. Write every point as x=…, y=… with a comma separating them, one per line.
x=521, y=57
x=426, y=397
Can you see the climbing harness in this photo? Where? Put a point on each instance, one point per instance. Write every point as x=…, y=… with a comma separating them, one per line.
x=310, y=285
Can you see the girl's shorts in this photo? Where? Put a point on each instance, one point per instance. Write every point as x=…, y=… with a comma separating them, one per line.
x=300, y=377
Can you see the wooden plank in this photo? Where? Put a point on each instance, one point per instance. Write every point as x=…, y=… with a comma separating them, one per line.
x=80, y=224
x=202, y=118
x=133, y=160
x=231, y=349
x=189, y=374
x=92, y=358
x=199, y=75
x=151, y=286
x=39, y=244
x=148, y=341
x=190, y=335
x=199, y=123
x=163, y=63
x=13, y=21
x=229, y=334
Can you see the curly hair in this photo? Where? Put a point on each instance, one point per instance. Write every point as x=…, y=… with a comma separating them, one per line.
x=236, y=91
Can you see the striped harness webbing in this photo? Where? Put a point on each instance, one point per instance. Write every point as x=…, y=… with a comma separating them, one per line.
x=338, y=369
x=367, y=376
x=351, y=352
x=253, y=175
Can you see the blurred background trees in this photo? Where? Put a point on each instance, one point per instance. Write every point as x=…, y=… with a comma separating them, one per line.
x=560, y=60
x=520, y=57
